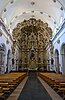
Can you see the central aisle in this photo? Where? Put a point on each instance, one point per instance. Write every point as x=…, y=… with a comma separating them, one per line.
x=33, y=90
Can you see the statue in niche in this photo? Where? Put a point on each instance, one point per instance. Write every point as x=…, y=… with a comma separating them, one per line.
x=32, y=55
x=32, y=63
x=25, y=60
x=39, y=60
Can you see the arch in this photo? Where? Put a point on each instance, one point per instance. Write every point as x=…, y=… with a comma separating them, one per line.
x=57, y=61
x=8, y=61
x=63, y=57
x=2, y=57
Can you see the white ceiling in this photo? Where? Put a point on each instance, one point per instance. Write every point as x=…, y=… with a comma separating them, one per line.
x=15, y=11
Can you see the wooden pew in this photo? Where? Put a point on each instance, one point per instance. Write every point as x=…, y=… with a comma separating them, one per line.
x=56, y=81
x=9, y=81
x=2, y=94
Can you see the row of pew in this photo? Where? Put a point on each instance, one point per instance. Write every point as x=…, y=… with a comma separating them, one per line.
x=8, y=82
x=56, y=81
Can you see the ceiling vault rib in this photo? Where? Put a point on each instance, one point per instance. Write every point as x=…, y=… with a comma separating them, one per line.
x=4, y=7
x=61, y=4
x=20, y=14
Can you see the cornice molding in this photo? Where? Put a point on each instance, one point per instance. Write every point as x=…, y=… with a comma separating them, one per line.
x=59, y=30
x=6, y=30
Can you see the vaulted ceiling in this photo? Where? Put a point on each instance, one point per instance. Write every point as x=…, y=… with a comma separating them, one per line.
x=15, y=11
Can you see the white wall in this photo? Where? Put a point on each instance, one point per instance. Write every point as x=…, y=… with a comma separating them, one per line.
x=8, y=46
x=57, y=42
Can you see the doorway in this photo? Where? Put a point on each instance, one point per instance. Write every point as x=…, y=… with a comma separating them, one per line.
x=57, y=61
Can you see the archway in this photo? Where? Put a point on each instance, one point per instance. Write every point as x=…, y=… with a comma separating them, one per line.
x=63, y=58
x=8, y=61
x=57, y=61
x=2, y=58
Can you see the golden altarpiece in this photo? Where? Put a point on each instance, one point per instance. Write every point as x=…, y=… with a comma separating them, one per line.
x=32, y=37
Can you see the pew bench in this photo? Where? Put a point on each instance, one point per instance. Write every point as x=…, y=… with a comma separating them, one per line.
x=2, y=94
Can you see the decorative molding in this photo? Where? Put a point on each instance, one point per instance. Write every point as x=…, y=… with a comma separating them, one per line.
x=6, y=30
x=58, y=41
x=59, y=30
x=32, y=3
x=7, y=41
x=0, y=33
